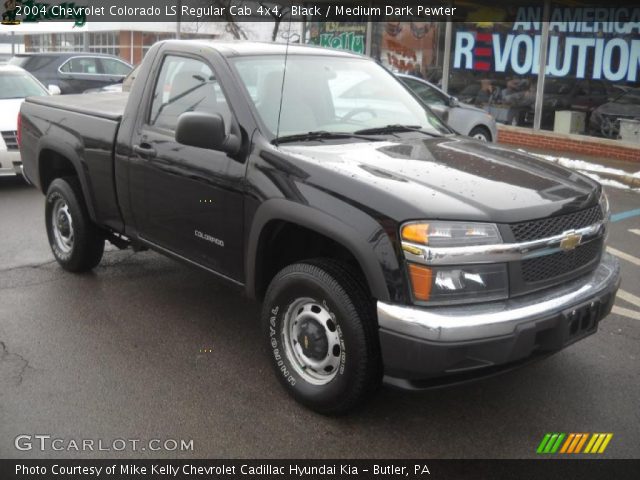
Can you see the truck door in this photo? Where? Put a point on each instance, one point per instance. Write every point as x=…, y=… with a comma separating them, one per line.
x=185, y=199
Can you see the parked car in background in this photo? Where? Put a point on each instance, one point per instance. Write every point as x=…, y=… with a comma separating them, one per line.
x=465, y=119
x=123, y=86
x=74, y=72
x=15, y=85
x=605, y=120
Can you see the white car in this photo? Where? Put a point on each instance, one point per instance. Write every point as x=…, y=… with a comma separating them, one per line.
x=463, y=118
x=15, y=85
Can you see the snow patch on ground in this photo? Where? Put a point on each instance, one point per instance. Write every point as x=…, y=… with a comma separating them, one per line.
x=607, y=182
x=591, y=170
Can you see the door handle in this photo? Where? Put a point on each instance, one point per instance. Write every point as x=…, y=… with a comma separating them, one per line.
x=145, y=150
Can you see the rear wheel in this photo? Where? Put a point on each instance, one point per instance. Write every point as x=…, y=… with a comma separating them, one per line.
x=75, y=241
x=322, y=337
x=480, y=133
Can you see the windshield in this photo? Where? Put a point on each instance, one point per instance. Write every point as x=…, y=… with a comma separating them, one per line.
x=330, y=94
x=19, y=85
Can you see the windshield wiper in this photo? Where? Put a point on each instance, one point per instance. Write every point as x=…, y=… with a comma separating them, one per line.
x=395, y=128
x=320, y=135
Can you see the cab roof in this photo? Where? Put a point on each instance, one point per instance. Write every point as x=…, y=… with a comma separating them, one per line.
x=247, y=48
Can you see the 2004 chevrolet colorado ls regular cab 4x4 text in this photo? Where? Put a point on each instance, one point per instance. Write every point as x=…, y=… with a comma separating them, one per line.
x=383, y=245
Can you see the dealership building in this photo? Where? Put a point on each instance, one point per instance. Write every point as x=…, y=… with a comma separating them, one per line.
x=127, y=40
x=587, y=101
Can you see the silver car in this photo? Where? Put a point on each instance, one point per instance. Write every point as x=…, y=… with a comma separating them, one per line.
x=463, y=118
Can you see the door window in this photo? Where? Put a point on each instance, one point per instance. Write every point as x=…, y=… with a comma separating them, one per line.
x=86, y=65
x=186, y=85
x=111, y=66
x=428, y=95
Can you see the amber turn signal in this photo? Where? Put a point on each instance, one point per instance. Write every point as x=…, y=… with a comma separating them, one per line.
x=416, y=233
x=421, y=281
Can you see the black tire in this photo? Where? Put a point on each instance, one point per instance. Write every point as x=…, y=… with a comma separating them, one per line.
x=478, y=131
x=338, y=291
x=86, y=245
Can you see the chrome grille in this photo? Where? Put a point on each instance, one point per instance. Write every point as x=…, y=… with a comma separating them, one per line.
x=10, y=138
x=548, y=227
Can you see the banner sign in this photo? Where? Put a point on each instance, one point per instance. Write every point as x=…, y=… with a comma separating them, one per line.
x=592, y=43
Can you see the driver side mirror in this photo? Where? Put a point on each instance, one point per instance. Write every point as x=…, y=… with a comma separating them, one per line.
x=54, y=89
x=205, y=130
x=454, y=102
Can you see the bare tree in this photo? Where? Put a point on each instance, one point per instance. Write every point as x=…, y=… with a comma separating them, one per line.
x=231, y=26
x=272, y=8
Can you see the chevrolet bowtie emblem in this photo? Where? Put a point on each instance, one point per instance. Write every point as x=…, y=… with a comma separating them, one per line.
x=570, y=241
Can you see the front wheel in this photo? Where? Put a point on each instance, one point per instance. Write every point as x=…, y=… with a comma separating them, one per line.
x=75, y=241
x=480, y=133
x=322, y=337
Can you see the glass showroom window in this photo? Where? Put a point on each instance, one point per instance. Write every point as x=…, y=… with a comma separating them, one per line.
x=413, y=48
x=591, y=84
x=492, y=66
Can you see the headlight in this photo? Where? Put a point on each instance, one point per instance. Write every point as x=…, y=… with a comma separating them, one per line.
x=450, y=234
x=440, y=285
x=459, y=284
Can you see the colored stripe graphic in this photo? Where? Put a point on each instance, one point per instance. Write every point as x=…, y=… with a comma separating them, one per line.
x=598, y=443
x=568, y=442
x=581, y=443
x=572, y=443
x=604, y=445
x=550, y=443
x=543, y=443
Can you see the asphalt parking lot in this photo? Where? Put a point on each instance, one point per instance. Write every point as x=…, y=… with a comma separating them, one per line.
x=146, y=348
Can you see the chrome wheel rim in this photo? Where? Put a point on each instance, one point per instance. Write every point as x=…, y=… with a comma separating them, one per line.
x=312, y=341
x=481, y=136
x=610, y=128
x=62, y=226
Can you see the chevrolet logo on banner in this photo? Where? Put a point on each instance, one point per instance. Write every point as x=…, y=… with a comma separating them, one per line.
x=570, y=241
x=574, y=443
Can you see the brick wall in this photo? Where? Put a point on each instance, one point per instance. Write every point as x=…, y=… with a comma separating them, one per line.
x=597, y=147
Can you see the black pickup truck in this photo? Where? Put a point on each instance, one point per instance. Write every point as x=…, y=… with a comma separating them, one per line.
x=384, y=246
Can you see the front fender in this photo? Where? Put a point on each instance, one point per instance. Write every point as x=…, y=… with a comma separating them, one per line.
x=364, y=237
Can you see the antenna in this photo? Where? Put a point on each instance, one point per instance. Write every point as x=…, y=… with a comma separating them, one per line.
x=284, y=75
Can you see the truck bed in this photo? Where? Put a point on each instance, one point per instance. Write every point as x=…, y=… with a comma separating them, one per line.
x=103, y=105
x=82, y=129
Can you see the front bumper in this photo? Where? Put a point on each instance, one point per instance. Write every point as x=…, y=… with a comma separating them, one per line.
x=10, y=163
x=426, y=347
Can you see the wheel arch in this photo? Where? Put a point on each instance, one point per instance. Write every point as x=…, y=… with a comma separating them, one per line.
x=57, y=161
x=278, y=212
x=485, y=128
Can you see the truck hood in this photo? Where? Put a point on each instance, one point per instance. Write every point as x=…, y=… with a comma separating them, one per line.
x=451, y=177
x=9, y=109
